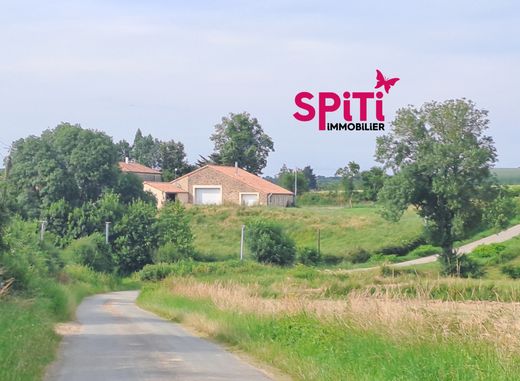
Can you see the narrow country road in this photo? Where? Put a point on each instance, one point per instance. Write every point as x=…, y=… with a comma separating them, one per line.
x=115, y=340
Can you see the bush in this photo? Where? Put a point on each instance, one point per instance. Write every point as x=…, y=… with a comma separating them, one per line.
x=488, y=251
x=269, y=244
x=425, y=250
x=157, y=271
x=404, y=247
x=136, y=237
x=91, y=251
x=358, y=255
x=169, y=253
x=469, y=268
x=309, y=256
x=511, y=271
x=175, y=234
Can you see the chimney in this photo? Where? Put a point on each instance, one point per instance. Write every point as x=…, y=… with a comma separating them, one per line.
x=126, y=160
x=236, y=168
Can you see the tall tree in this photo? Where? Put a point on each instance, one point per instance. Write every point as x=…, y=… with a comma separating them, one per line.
x=309, y=175
x=172, y=160
x=441, y=159
x=145, y=150
x=373, y=181
x=66, y=162
x=285, y=179
x=348, y=174
x=240, y=138
x=124, y=149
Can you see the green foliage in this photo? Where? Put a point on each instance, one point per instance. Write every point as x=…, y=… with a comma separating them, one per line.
x=500, y=211
x=91, y=251
x=145, y=150
x=348, y=175
x=468, y=267
x=285, y=179
x=321, y=198
x=358, y=255
x=309, y=256
x=269, y=244
x=441, y=160
x=129, y=187
x=172, y=160
x=372, y=182
x=424, y=251
x=174, y=233
x=67, y=162
x=240, y=138
x=309, y=175
x=136, y=237
x=512, y=271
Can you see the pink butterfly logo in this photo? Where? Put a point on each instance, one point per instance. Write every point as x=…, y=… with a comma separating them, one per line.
x=383, y=81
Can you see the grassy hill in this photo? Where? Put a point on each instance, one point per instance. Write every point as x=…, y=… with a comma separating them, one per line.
x=343, y=230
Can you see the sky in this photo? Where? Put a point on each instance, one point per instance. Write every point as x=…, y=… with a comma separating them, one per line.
x=175, y=68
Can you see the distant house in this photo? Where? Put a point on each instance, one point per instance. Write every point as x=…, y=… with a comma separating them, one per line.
x=215, y=185
x=142, y=171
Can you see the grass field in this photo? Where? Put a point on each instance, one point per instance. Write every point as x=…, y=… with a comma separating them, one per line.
x=27, y=341
x=509, y=176
x=343, y=230
x=321, y=325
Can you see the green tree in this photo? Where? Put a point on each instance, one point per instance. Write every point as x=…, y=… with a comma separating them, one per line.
x=240, y=138
x=373, y=181
x=349, y=174
x=145, y=150
x=124, y=150
x=66, y=162
x=269, y=243
x=309, y=175
x=174, y=232
x=136, y=237
x=285, y=179
x=172, y=160
x=441, y=161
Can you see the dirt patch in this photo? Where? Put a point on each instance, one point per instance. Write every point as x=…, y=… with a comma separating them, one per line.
x=67, y=329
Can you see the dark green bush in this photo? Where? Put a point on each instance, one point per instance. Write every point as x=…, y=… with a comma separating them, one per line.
x=488, y=251
x=91, y=251
x=269, y=244
x=470, y=268
x=358, y=255
x=309, y=256
x=404, y=247
x=157, y=271
x=512, y=271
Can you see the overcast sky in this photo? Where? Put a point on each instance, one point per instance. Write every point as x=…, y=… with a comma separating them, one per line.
x=174, y=69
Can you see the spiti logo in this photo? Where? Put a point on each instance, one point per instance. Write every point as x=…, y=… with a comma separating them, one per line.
x=355, y=107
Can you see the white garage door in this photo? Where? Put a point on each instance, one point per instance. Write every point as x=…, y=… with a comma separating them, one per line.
x=248, y=199
x=207, y=196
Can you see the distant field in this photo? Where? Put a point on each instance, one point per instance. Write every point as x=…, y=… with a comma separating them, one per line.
x=509, y=176
x=343, y=230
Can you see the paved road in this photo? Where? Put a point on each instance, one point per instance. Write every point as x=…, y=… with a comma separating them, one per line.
x=116, y=340
x=495, y=238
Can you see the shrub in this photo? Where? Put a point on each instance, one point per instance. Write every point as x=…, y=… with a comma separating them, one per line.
x=425, y=250
x=469, y=268
x=488, y=251
x=136, y=237
x=358, y=255
x=269, y=244
x=404, y=247
x=91, y=251
x=169, y=253
x=175, y=234
x=511, y=271
x=309, y=256
x=156, y=271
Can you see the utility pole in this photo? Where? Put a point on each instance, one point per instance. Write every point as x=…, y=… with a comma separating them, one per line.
x=43, y=225
x=107, y=228
x=242, y=243
x=295, y=184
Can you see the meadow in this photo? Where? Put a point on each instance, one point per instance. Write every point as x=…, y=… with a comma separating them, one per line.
x=320, y=324
x=343, y=231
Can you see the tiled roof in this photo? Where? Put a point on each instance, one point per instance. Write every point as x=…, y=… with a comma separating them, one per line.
x=165, y=187
x=253, y=181
x=137, y=168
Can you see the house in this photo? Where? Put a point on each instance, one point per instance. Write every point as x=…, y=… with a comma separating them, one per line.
x=143, y=172
x=215, y=185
